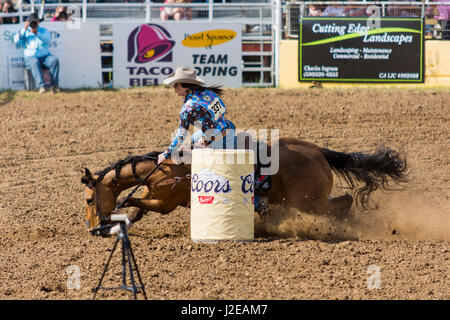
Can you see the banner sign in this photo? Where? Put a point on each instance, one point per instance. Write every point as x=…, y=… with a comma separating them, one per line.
x=76, y=48
x=346, y=49
x=145, y=54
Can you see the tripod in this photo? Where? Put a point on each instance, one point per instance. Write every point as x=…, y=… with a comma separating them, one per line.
x=127, y=259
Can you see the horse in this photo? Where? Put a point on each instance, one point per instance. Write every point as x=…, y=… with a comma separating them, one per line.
x=304, y=181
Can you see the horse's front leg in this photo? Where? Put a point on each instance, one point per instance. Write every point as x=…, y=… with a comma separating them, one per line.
x=156, y=205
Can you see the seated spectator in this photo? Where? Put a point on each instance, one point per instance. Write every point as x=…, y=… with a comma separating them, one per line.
x=35, y=40
x=442, y=14
x=334, y=11
x=1, y=11
x=403, y=10
x=168, y=13
x=314, y=10
x=60, y=14
x=356, y=10
x=8, y=7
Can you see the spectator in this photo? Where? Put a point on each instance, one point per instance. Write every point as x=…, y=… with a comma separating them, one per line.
x=314, y=10
x=403, y=10
x=35, y=40
x=1, y=11
x=356, y=10
x=177, y=14
x=8, y=7
x=334, y=11
x=60, y=14
x=442, y=15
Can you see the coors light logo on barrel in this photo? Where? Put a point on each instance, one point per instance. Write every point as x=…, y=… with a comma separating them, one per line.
x=207, y=181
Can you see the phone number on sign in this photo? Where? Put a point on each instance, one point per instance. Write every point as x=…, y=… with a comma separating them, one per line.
x=320, y=74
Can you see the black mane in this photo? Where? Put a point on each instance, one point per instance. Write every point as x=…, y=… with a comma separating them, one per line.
x=134, y=160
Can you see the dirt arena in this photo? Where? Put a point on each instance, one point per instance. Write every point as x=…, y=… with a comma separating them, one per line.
x=47, y=140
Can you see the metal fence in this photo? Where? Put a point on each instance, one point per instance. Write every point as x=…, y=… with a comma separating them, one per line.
x=256, y=19
x=263, y=24
x=436, y=14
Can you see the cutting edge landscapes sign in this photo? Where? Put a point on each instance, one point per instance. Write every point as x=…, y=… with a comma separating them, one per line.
x=337, y=49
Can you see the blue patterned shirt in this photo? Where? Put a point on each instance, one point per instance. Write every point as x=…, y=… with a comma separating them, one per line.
x=206, y=108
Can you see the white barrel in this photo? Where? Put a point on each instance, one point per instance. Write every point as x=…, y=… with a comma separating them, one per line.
x=222, y=195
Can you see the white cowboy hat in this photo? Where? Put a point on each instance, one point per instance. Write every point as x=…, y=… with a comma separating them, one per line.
x=184, y=75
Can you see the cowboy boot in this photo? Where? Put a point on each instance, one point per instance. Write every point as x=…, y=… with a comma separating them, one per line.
x=261, y=205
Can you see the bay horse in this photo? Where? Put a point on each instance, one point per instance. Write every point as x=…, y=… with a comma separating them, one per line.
x=304, y=181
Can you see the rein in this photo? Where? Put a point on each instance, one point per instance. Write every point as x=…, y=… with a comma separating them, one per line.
x=104, y=221
x=172, y=181
x=119, y=205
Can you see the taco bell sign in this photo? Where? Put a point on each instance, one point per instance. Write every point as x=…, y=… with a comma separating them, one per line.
x=145, y=54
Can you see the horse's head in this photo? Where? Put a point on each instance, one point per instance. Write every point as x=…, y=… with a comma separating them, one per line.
x=99, y=201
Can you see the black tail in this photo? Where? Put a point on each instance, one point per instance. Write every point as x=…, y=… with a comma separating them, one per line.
x=376, y=170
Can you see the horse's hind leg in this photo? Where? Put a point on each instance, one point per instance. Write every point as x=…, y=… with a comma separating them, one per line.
x=339, y=206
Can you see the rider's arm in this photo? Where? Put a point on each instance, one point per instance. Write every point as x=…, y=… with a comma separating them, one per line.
x=186, y=119
x=177, y=141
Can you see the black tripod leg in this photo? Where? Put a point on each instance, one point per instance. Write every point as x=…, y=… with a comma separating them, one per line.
x=133, y=285
x=106, y=268
x=137, y=272
x=124, y=263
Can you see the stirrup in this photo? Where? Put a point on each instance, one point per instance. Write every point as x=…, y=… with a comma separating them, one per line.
x=263, y=206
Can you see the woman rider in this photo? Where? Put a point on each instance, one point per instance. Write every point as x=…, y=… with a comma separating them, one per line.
x=202, y=105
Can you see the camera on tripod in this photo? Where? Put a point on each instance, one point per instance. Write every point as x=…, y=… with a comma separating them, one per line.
x=119, y=217
x=128, y=261
x=34, y=20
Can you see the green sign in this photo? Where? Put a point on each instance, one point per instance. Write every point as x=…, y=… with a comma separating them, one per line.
x=347, y=50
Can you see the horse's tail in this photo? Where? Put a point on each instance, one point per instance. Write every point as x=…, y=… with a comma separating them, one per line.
x=375, y=169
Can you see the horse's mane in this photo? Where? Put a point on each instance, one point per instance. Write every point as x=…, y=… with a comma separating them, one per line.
x=134, y=160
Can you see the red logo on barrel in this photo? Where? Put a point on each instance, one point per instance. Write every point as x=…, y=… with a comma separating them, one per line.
x=205, y=199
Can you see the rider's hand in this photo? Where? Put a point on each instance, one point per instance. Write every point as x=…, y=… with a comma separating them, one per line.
x=26, y=24
x=202, y=143
x=161, y=157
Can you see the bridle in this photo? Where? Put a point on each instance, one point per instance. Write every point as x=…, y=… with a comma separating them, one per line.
x=104, y=220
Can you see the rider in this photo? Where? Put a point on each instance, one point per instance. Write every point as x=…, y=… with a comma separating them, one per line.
x=203, y=107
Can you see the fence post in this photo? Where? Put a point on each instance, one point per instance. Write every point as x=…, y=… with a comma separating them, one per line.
x=84, y=10
x=20, y=11
x=148, y=11
x=210, y=11
x=276, y=9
